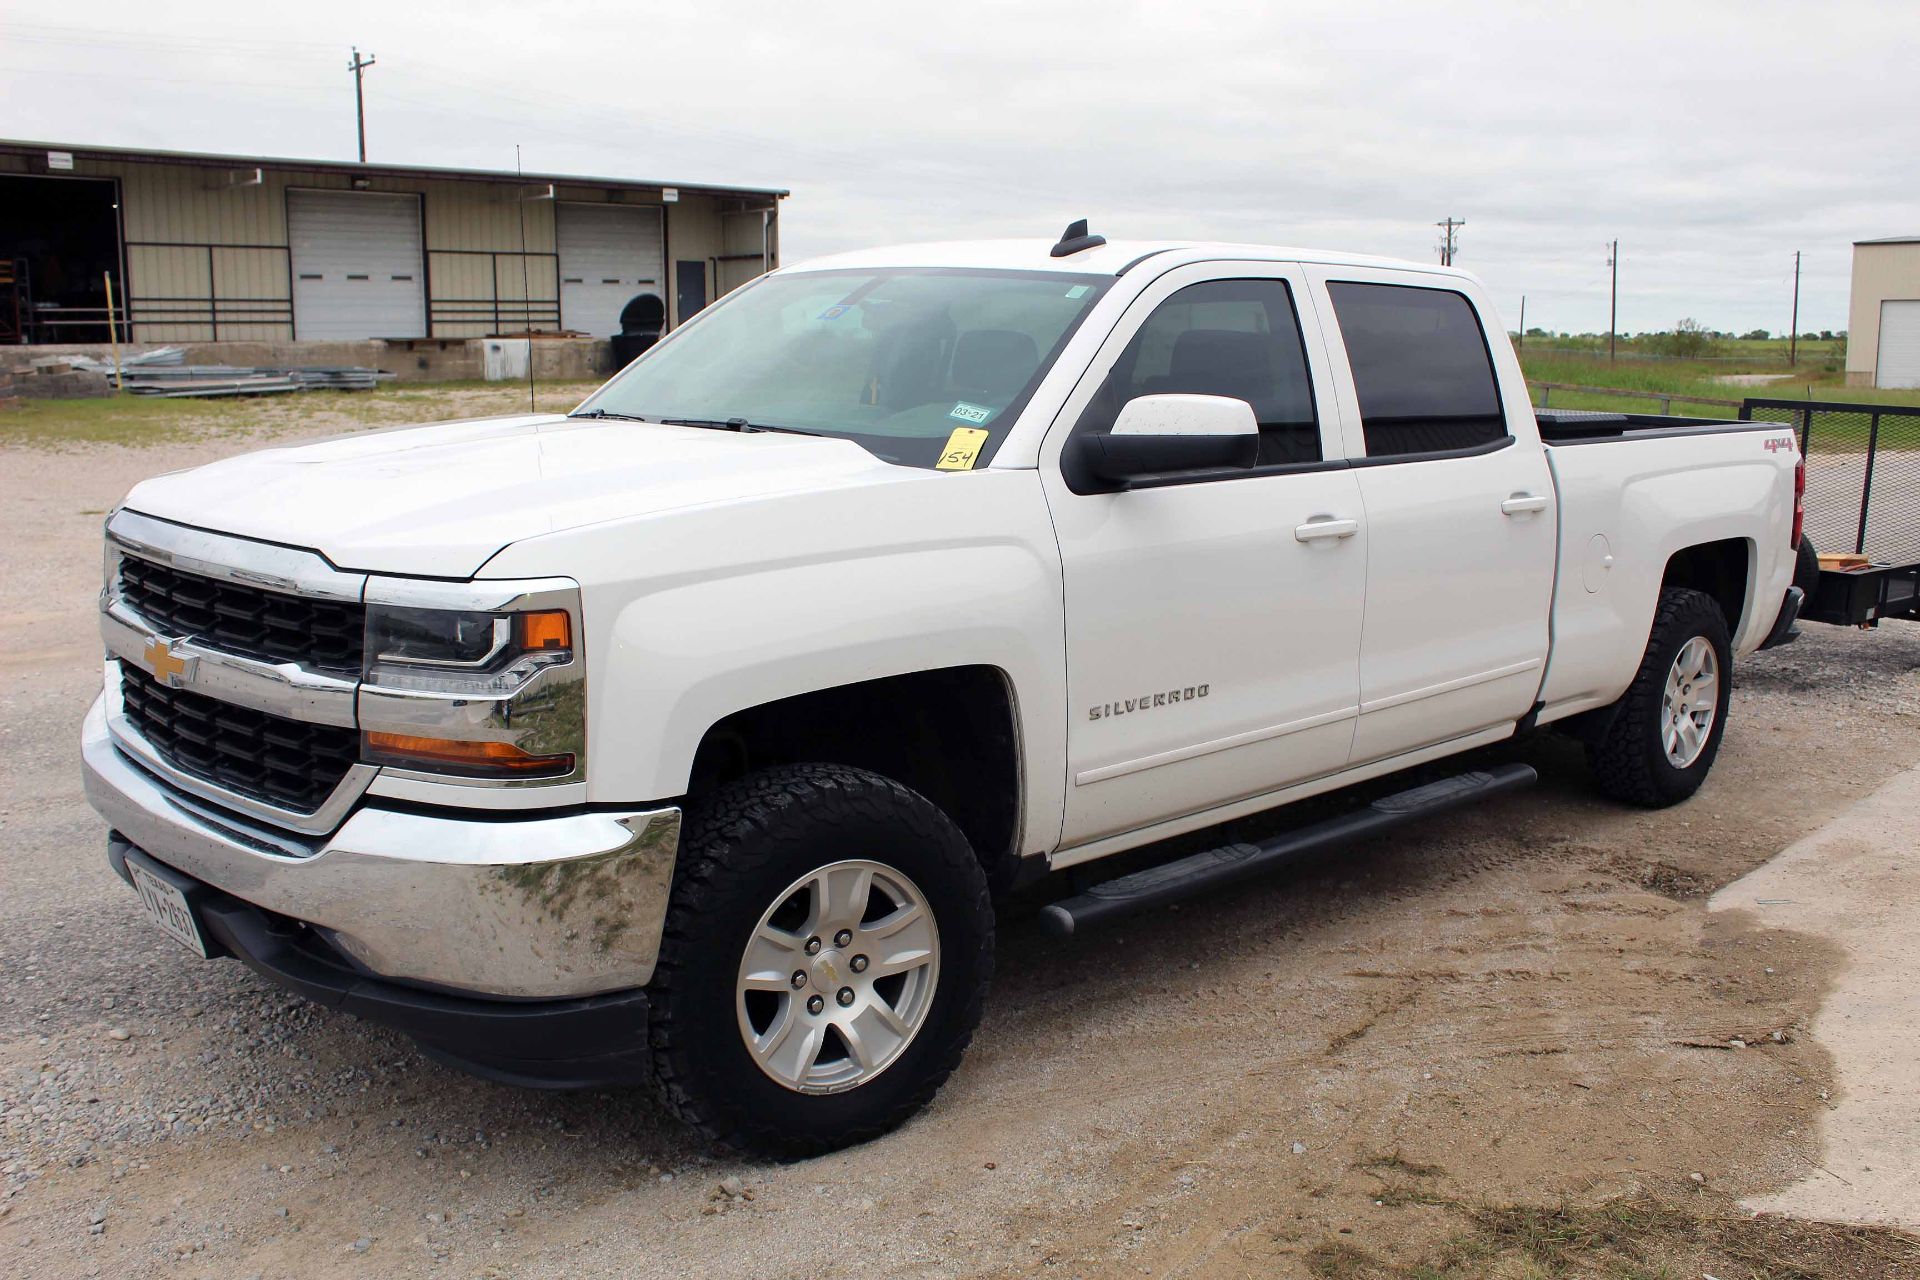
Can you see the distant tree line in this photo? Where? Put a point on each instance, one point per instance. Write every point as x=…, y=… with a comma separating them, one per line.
x=1688, y=326
x=1691, y=340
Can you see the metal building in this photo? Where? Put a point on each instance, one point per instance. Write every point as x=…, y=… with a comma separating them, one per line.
x=215, y=248
x=1883, y=322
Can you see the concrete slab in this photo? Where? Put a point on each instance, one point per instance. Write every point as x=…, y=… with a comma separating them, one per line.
x=1856, y=881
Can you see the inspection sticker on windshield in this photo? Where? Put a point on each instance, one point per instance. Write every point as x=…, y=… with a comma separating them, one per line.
x=970, y=412
x=963, y=446
x=835, y=311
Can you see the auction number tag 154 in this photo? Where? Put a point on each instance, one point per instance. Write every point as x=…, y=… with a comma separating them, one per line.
x=963, y=448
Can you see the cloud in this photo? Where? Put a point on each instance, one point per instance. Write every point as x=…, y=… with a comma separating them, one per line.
x=1713, y=139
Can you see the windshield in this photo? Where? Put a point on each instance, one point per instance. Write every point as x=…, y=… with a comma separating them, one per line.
x=918, y=366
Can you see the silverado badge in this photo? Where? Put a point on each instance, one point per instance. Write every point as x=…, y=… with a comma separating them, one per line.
x=168, y=667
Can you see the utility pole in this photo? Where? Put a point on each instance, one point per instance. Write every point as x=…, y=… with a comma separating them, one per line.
x=1523, y=321
x=1449, y=244
x=1613, y=297
x=1793, y=337
x=359, y=67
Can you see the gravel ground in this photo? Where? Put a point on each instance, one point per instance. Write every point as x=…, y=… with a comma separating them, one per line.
x=1530, y=998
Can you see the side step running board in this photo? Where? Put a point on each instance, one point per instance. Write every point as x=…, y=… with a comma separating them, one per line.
x=1200, y=872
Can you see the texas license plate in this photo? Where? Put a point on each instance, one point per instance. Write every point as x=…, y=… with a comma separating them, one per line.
x=166, y=902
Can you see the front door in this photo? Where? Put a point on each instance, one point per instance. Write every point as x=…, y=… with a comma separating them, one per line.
x=1213, y=631
x=1460, y=512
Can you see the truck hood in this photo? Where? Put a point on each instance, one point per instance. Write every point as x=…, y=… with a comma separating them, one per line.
x=440, y=501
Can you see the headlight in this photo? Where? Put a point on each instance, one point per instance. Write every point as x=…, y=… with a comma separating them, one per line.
x=485, y=694
x=460, y=651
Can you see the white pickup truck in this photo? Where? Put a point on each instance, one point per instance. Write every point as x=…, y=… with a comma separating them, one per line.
x=695, y=734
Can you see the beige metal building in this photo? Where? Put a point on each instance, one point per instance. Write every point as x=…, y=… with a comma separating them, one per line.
x=218, y=248
x=1883, y=322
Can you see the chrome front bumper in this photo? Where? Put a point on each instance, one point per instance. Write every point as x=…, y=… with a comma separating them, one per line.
x=521, y=907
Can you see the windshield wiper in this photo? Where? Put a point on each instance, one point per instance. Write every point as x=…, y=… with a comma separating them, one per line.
x=607, y=413
x=736, y=424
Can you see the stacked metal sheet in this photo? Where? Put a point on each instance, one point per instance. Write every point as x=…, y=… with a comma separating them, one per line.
x=340, y=378
x=208, y=380
x=162, y=373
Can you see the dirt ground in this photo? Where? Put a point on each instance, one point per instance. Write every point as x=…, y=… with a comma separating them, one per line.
x=1514, y=1044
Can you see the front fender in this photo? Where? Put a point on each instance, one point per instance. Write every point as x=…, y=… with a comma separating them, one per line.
x=727, y=607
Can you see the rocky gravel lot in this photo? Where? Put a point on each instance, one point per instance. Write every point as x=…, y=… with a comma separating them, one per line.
x=1348, y=1066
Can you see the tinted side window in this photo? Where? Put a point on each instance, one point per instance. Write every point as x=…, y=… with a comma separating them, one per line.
x=1421, y=368
x=1236, y=338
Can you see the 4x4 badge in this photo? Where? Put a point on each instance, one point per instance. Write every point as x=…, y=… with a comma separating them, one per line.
x=168, y=667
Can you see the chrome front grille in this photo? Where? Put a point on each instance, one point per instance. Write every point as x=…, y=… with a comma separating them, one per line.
x=292, y=764
x=320, y=635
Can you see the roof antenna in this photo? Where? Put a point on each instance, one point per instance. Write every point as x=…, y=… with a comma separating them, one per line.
x=1075, y=239
x=526, y=288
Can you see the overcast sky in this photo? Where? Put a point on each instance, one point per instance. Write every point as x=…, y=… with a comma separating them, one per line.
x=1713, y=139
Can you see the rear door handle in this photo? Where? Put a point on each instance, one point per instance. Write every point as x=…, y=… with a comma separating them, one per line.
x=1325, y=527
x=1521, y=502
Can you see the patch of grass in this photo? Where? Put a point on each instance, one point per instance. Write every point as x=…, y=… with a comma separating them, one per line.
x=1338, y=1260
x=1637, y=1238
x=1558, y=1239
x=1680, y=379
x=1394, y=1162
x=1402, y=1180
x=148, y=420
x=116, y=420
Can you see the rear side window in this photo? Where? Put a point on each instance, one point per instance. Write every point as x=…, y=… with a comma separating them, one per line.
x=1235, y=338
x=1420, y=367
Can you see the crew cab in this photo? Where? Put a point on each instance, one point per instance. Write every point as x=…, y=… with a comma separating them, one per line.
x=694, y=735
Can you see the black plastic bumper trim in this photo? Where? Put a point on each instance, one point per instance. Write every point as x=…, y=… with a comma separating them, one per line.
x=1784, y=631
x=584, y=1042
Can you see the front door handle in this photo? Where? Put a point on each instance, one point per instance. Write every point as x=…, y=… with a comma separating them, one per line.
x=1522, y=502
x=1325, y=527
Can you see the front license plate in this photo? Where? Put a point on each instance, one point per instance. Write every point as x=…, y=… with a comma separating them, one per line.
x=167, y=903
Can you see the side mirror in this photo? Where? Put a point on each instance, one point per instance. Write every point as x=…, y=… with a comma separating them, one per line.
x=1155, y=435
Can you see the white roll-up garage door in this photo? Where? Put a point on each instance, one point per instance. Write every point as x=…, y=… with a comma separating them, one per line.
x=1899, y=362
x=356, y=266
x=608, y=254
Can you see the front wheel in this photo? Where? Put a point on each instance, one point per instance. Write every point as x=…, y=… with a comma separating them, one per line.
x=827, y=951
x=1666, y=728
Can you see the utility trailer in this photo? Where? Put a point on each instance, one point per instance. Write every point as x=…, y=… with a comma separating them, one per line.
x=1863, y=494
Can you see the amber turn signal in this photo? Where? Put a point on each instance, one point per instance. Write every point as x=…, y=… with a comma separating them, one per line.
x=548, y=629
x=452, y=755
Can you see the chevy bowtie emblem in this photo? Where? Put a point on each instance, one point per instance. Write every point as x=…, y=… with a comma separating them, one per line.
x=168, y=667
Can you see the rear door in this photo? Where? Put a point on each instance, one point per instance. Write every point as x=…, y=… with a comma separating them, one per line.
x=1212, y=633
x=357, y=269
x=1459, y=510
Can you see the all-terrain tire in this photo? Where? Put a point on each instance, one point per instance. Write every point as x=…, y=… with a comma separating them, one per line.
x=1629, y=761
x=742, y=847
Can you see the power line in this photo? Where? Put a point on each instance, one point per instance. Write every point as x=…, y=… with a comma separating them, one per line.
x=1450, y=243
x=39, y=33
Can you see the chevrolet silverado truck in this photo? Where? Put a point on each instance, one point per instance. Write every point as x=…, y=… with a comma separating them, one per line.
x=693, y=736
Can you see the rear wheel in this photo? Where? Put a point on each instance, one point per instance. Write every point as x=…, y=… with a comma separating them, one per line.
x=826, y=955
x=1666, y=729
